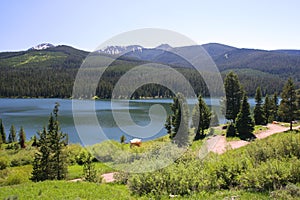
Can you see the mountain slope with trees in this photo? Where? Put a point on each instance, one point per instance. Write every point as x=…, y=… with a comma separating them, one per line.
x=51, y=72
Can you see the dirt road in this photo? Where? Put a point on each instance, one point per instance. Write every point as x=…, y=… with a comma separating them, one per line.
x=218, y=144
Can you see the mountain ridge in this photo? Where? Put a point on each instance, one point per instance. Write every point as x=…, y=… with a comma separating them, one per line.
x=51, y=72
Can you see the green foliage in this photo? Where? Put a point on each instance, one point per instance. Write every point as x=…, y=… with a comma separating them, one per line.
x=272, y=175
x=22, y=138
x=263, y=165
x=12, y=134
x=234, y=94
x=180, y=119
x=15, y=175
x=201, y=118
x=259, y=115
x=4, y=162
x=214, y=119
x=2, y=132
x=82, y=157
x=231, y=130
x=89, y=172
x=244, y=122
x=122, y=139
x=50, y=161
x=288, y=192
x=178, y=123
x=274, y=107
x=288, y=110
x=267, y=109
x=48, y=190
x=168, y=125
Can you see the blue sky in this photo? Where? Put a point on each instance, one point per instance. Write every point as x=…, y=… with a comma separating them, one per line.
x=264, y=24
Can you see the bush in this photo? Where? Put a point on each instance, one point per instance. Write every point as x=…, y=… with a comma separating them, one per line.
x=289, y=192
x=272, y=175
x=4, y=162
x=261, y=166
x=16, y=178
x=231, y=131
x=121, y=177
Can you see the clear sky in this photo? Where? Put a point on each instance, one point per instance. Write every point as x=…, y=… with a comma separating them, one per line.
x=263, y=24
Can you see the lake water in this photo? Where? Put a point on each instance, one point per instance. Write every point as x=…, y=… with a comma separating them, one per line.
x=33, y=114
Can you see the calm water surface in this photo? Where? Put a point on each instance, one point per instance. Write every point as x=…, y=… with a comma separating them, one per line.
x=33, y=114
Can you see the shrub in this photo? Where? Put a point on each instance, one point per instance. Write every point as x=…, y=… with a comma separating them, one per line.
x=272, y=175
x=4, y=162
x=289, y=192
x=15, y=178
x=231, y=131
x=121, y=177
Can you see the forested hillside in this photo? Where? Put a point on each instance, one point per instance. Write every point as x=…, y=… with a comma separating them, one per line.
x=51, y=72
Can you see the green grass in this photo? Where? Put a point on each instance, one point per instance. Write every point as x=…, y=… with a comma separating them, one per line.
x=66, y=190
x=229, y=194
x=230, y=139
x=259, y=129
x=288, y=124
x=84, y=190
x=76, y=171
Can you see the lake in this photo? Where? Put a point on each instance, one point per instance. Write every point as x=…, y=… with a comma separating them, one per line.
x=33, y=115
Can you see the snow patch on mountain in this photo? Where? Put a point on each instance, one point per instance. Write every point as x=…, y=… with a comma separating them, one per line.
x=115, y=50
x=42, y=46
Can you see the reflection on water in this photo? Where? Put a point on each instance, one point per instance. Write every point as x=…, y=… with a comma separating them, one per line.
x=33, y=114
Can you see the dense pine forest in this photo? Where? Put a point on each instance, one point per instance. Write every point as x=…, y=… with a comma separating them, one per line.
x=51, y=72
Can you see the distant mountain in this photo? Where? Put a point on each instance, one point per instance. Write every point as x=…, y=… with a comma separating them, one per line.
x=164, y=47
x=116, y=50
x=215, y=50
x=42, y=46
x=50, y=71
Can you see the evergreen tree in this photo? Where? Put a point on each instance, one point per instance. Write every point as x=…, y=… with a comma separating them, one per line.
x=259, y=116
x=274, y=107
x=201, y=118
x=122, y=139
x=50, y=160
x=231, y=130
x=12, y=134
x=90, y=174
x=244, y=122
x=22, y=138
x=267, y=107
x=288, y=107
x=168, y=125
x=34, y=143
x=180, y=121
x=1, y=142
x=2, y=132
x=234, y=93
x=298, y=101
x=176, y=116
x=214, y=119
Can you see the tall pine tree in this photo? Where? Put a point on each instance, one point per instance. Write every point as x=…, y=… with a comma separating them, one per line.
x=201, y=118
x=259, y=116
x=2, y=132
x=168, y=125
x=244, y=122
x=12, y=134
x=180, y=121
x=288, y=108
x=267, y=107
x=50, y=161
x=22, y=138
x=234, y=94
x=274, y=107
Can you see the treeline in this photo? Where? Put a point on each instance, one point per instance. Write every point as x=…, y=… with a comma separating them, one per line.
x=58, y=82
x=236, y=108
